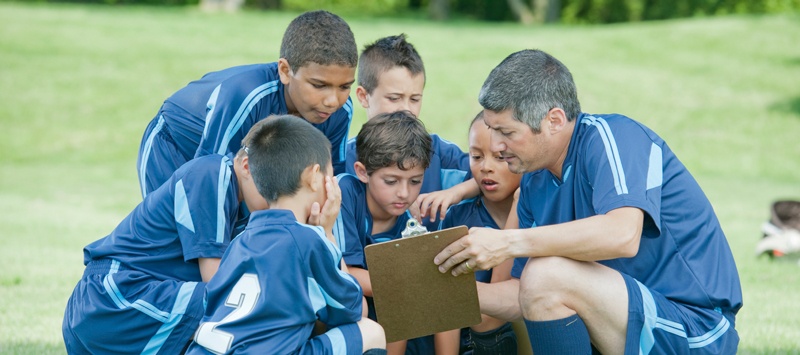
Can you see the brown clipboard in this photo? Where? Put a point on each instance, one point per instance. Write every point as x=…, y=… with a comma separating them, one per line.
x=412, y=298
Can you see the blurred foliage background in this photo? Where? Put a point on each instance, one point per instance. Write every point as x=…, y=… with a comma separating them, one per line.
x=524, y=11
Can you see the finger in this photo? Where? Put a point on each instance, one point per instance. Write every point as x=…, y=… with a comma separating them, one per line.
x=454, y=248
x=313, y=218
x=456, y=263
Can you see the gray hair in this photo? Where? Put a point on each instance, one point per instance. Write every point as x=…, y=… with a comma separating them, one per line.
x=530, y=83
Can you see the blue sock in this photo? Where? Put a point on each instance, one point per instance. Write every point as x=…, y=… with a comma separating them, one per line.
x=560, y=336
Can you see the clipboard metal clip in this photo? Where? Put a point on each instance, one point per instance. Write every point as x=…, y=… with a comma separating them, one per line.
x=413, y=228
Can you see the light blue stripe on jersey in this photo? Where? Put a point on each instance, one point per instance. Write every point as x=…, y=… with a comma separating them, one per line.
x=336, y=253
x=452, y=177
x=210, y=105
x=338, y=343
x=182, y=214
x=222, y=189
x=612, y=152
x=652, y=322
x=116, y=296
x=244, y=110
x=178, y=309
x=655, y=169
x=319, y=297
x=348, y=106
x=148, y=146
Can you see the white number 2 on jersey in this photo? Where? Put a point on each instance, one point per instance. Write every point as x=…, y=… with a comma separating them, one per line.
x=243, y=298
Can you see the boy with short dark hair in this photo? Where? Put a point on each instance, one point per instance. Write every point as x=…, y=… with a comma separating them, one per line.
x=393, y=151
x=281, y=274
x=312, y=79
x=391, y=77
x=142, y=290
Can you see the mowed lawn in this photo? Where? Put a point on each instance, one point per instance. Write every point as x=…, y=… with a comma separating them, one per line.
x=78, y=84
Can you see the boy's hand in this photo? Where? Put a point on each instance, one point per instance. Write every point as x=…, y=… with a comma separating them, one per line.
x=436, y=202
x=325, y=216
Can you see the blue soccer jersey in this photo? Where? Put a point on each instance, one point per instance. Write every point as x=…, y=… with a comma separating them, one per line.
x=213, y=114
x=194, y=215
x=471, y=213
x=683, y=253
x=141, y=291
x=275, y=281
x=353, y=227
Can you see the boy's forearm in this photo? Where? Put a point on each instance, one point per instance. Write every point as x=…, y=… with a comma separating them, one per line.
x=362, y=276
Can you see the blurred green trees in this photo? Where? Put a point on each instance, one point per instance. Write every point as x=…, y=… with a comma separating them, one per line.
x=525, y=11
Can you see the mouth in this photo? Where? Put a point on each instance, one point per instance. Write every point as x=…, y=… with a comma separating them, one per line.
x=400, y=205
x=489, y=184
x=322, y=115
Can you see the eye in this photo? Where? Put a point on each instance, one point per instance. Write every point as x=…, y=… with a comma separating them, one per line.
x=389, y=181
x=393, y=99
x=346, y=87
x=318, y=86
x=499, y=158
x=416, y=181
x=506, y=134
x=416, y=99
x=476, y=157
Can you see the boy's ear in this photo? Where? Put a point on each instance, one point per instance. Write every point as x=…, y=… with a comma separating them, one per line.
x=361, y=172
x=244, y=162
x=361, y=95
x=284, y=70
x=313, y=177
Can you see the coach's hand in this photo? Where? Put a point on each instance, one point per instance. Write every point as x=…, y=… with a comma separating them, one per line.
x=481, y=249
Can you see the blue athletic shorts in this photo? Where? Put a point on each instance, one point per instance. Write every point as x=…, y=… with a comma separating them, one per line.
x=159, y=156
x=115, y=310
x=342, y=340
x=660, y=326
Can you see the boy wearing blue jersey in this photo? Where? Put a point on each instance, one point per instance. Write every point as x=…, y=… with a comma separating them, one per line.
x=142, y=289
x=627, y=255
x=490, y=209
x=393, y=151
x=391, y=77
x=282, y=275
x=312, y=80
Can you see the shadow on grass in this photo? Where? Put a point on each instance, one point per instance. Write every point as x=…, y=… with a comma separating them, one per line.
x=791, y=106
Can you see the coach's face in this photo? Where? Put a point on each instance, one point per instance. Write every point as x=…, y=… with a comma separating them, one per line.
x=525, y=150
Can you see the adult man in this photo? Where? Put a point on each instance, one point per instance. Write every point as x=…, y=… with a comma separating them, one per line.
x=626, y=255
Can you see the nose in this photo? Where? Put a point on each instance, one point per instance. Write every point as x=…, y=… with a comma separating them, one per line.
x=403, y=190
x=330, y=99
x=496, y=143
x=488, y=164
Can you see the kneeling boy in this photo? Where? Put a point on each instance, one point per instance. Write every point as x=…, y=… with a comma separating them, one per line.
x=282, y=275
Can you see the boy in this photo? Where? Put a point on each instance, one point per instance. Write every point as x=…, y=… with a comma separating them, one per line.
x=393, y=151
x=282, y=275
x=391, y=78
x=143, y=284
x=311, y=79
x=491, y=209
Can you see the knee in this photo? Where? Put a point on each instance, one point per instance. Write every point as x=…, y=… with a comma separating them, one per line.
x=544, y=283
x=372, y=334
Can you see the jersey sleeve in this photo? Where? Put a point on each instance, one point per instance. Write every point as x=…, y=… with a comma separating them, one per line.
x=328, y=285
x=205, y=208
x=624, y=166
x=337, y=128
x=232, y=109
x=345, y=230
x=454, y=163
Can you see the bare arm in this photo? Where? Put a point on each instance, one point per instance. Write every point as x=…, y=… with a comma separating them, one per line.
x=208, y=267
x=615, y=234
x=363, y=279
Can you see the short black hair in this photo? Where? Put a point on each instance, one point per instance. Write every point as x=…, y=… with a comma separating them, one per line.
x=279, y=149
x=385, y=54
x=395, y=138
x=319, y=37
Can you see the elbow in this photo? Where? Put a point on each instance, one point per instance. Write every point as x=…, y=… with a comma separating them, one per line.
x=630, y=247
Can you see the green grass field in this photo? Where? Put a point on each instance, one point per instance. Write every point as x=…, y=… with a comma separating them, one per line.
x=79, y=84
